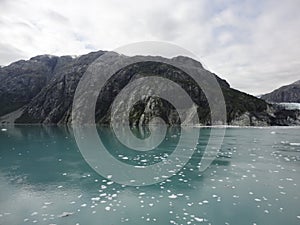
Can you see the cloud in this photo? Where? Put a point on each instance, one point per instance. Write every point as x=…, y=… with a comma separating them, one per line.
x=253, y=44
x=9, y=54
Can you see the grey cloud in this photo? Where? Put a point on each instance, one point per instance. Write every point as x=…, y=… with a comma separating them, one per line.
x=10, y=54
x=254, y=44
x=57, y=17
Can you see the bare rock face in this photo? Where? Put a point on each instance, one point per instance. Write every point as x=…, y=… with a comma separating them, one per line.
x=288, y=93
x=21, y=81
x=41, y=90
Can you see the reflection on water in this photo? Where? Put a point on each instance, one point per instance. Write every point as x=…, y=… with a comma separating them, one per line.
x=45, y=180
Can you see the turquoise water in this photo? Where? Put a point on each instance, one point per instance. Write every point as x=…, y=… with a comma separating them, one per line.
x=255, y=179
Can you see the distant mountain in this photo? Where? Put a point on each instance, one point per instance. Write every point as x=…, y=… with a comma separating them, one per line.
x=41, y=90
x=288, y=93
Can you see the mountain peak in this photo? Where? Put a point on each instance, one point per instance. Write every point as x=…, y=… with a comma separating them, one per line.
x=287, y=93
x=187, y=60
x=42, y=57
x=297, y=82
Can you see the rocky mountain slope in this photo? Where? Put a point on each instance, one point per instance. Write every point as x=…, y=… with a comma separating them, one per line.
x=288, y=93
x=41, y=90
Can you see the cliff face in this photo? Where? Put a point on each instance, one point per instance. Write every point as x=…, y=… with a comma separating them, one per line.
x=23, y=80
x=41, y=90
x=288, y=93
x=53, y=103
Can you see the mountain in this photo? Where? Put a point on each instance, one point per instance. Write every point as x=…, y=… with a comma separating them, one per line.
x=288, y=93
x=41, y=90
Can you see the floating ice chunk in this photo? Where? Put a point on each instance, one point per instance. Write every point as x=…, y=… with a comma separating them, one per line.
x=295, y=144
x=48, y=203
x=199, y=219
x=172, y=196
x=257, y=200
x=65, y=214
x=3, y=129
x=95, y=199
x=107, y=208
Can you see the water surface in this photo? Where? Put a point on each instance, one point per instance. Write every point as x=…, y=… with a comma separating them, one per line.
x=254, y=180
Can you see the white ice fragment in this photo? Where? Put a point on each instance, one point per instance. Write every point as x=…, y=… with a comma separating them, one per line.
x=96, y=199
x=47, y=203
x=199, y=219
x=34, y=213
x=65, y=214
x=172, y=196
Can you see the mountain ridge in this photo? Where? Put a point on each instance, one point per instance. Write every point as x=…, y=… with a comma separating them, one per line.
x=286, y=93
x=41, y=90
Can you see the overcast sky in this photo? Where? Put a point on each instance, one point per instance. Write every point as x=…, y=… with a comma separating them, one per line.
x=253, y=44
